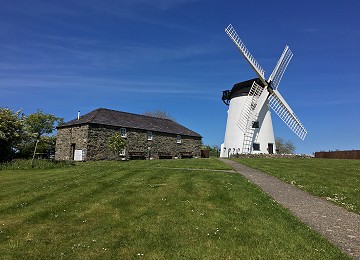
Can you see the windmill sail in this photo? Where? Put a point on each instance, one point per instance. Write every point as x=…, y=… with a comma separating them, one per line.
x=246, y=53
x=283, y=110
x=280, y=67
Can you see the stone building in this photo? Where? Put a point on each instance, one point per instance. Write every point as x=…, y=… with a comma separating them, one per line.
x=86, y=138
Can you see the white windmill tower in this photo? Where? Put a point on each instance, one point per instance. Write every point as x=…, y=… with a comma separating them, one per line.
x=249, y=127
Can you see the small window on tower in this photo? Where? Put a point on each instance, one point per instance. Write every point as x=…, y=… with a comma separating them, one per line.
x=256, y=146
x=255, y=124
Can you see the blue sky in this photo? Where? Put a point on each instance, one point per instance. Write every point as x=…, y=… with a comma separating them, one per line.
x=173, y=55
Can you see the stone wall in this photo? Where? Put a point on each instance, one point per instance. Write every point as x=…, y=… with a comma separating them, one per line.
x=163, y=143
x=98, y=148
x=136, y=141
x=264, y=155
x=70, y=138
x=93, y=139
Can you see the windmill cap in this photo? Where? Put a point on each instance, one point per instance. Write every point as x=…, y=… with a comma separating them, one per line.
x=243, y=88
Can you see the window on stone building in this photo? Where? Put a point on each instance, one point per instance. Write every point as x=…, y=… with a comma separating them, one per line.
x=122, y=152
x=149, y=135
x=123, y=132
x=178, y=139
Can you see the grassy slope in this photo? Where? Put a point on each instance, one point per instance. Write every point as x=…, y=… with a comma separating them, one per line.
x=335, y=180
x=125, y=210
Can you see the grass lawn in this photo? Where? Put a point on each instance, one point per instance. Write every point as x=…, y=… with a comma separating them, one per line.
x=335, y=180
x=150, y=210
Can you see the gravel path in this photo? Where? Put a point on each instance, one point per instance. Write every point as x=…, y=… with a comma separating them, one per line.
x=338, y=225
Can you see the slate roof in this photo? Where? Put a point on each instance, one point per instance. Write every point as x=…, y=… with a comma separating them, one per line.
x=109, y=117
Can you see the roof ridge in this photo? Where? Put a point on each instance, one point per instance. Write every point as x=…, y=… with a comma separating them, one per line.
x=129, y=113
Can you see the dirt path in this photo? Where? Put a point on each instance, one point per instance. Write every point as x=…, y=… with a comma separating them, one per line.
x=338, y=225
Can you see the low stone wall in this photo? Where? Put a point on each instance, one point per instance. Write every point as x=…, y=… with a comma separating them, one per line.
x=261, y=155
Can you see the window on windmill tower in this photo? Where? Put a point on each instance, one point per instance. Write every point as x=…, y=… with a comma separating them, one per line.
x=255, y=124
x=256, y=146
x=149, y=135
x=178, y=139
x=123, y=132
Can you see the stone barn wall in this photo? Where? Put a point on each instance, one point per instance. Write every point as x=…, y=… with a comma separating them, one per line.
x=98, y=148
x=93, y=140
x=136, y=141
x=70, y=138
x=162, y=143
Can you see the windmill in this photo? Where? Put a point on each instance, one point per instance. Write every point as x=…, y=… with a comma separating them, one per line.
x=249, y=126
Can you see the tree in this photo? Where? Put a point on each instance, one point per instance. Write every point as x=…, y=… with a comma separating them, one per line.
x=39, y=124
x=283, y=146
x=11, y=132
x=213, y=150
x=159, y=114
x=46, y=146
x=116, y=143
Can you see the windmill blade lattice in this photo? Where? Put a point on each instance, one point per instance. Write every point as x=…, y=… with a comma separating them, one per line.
x=280, y=67
x=246, y=53
x=283, y=110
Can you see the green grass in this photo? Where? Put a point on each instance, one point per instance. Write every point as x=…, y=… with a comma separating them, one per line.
x=20, y=164
x=149, y=210
x=335, y=180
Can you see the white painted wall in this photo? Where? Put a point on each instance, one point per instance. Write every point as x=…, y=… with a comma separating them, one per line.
x=265, y=134
x=234, y=137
